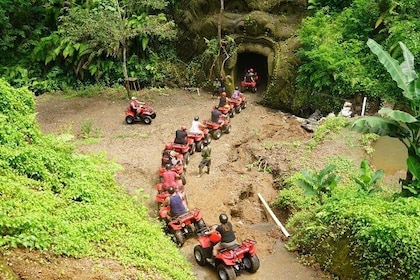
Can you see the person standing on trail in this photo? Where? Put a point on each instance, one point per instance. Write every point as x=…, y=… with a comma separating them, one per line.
x=205, y=159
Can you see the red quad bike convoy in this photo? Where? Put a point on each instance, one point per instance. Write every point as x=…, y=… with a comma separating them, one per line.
x=146, y=115
x=229, y=262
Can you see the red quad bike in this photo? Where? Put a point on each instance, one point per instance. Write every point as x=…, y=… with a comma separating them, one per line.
x=230, y=262
x=252, y=86
x=146, y=115
x=199, y=139
x=180, y=228
x=230, y=111
x=239, y=105
x=185, y=150
x=216, y=129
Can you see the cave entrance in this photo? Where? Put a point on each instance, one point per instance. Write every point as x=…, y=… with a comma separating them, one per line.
x=258, y=62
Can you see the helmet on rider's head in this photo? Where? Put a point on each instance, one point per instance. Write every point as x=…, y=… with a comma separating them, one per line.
x=196, y=118
x=168, y=166
x=223, y=93
x=171, y=190
x=183, y=128
x=205, y=142
x=223, y=218
x=236, y=88
x=133, y=98
x=251, y=70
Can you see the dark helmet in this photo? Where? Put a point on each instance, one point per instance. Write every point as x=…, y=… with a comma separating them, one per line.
x=196, y=118
x=183, y=128
x=236, y=88
x=223, y=93
x=168, y=166
x=171, y=190
x=216, y=107
x=223, y=218
x=205, y=142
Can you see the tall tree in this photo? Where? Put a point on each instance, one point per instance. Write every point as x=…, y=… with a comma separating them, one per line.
x=107, y=26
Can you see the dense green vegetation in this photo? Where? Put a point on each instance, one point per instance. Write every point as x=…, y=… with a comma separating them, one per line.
x=353, y=224
x=57, y=200
x=335, y=58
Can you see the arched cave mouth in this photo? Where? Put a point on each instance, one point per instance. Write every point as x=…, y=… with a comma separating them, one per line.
x=255, y=61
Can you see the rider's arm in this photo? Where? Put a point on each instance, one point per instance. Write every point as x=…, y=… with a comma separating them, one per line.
x=166, y=202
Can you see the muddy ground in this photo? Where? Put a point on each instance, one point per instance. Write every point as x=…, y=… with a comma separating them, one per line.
x=261, y=138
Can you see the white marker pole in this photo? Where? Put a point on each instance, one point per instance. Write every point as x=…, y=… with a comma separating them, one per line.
x=283, y=229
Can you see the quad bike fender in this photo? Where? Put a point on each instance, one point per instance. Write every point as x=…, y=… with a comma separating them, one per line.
x=163, y=212
x=128, y=112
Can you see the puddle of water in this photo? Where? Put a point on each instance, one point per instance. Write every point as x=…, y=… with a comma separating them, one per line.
x=390, y=155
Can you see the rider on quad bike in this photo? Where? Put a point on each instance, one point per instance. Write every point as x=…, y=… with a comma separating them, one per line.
x=170, y=177
x=197, y=126
x=228, y=238
x=175, y=203
x=135, y=106
x=181, y=136
x=236, y=94
x=216, y=114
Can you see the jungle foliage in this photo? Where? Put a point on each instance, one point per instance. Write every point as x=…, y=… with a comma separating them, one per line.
x=356, y=228
x=56, y=200
x=335, y=58
x=68, y=44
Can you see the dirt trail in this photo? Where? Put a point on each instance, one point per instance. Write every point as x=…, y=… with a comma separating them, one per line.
x=231, y=187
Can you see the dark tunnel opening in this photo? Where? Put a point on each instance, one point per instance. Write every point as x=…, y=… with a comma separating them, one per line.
x=258, y=62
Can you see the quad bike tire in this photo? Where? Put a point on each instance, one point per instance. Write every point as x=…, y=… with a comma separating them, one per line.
x=254, y=89
x=199, y=146
x=147, y=120
x=187, y=158
x=227, y=129
x=200, y=224
x=225, y=272
x=192, y=149
x=199, y=255
x=238, y=109
x=208, y=138
x=244, y=104
x=232, y=113
x=183, y=178
x=129, y=119
x=252, y=264
x=216, y=134
x=180, y=239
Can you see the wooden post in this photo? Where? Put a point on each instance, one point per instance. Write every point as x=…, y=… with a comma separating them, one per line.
x=283, y=229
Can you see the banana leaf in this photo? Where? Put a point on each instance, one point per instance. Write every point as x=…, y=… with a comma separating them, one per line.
x=381, y=126
x=402, y=79
x=397, y=115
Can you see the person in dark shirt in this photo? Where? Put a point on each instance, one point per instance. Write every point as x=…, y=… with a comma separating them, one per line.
x=216, y=114
x=228, y=237
x=223, y=99
x=181, y=136
x=175, y=202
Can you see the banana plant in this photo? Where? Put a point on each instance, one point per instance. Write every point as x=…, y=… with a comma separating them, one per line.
x=368, y=179
x=318, y=184
x=405, y=126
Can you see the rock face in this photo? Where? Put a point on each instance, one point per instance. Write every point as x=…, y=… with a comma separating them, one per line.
x=257, y=34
